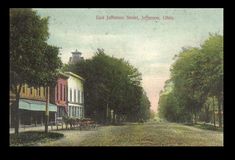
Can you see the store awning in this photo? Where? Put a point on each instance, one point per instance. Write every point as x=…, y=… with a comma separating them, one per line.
x=36, y=105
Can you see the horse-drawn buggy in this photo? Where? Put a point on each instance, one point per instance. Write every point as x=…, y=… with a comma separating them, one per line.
x=87, y=123
x=82, y=124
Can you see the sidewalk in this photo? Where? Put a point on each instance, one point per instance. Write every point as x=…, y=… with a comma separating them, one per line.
x=42, y=128
x=37, y=128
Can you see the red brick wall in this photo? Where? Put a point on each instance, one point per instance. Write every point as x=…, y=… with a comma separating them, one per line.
x=60, y=95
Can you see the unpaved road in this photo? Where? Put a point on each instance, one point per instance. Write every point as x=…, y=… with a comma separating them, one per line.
x=134, y=134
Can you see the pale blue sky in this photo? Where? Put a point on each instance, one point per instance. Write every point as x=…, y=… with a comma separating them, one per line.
x=149, y=45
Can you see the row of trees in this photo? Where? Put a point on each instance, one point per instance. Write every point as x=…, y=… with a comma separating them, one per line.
x=32, y=60
x=113, y=91
x=195, y=89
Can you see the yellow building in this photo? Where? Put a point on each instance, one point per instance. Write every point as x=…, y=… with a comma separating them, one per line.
x=38, y=93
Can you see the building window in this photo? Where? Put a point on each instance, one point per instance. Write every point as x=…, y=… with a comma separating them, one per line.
x=23, y=91
x=45, y=92
x=64, y=93
x=61, y=88
x=58, y=112
x=57, y=92
x=82, y=101
x=69, y=111
x=31, y=90
x=78, y=96
x=78, y=112
x=39, y=91
x=70, y=95
x=74, y=95
x=82, y=112
x=73, y=111
x=35, y=91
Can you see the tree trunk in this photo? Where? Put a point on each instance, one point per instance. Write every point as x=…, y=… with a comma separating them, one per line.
x=207, y=118
x=107, y=113
x=17, y=116
x=214, y=111
x=17, y=111
x=47, y=110
x=113, y=120
x=219, y=114
x=114, y=117
x=118, y=118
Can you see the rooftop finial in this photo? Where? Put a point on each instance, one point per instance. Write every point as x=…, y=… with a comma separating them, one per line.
x=76, y=57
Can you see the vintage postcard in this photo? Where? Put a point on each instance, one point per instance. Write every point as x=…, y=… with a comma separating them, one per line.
x=116, y=77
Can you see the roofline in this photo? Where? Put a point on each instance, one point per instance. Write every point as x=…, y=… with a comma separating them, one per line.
x=63, y=74
x=74, y=75
x=76, y=52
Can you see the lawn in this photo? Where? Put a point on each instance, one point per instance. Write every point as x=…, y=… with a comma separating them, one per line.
x=31, y=137
x=206, y=126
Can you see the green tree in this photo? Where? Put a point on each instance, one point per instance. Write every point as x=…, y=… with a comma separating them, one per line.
x=196, y=75
x=186, y=74
x=152, y=114
x=112, y=85
x=32, y=60
x=208, y=111
x=212, y=69
x=144, y=111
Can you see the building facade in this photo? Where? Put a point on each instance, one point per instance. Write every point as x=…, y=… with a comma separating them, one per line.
x=59, y=95
x=75, y=95
x=66, y=99
x=32, y=105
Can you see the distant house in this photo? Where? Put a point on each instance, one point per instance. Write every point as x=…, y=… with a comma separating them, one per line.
x=75, y=95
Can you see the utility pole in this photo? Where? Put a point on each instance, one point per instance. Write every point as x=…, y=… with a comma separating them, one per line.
x=47, y=110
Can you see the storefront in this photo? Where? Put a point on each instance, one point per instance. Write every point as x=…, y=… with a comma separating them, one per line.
x=33, y=112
